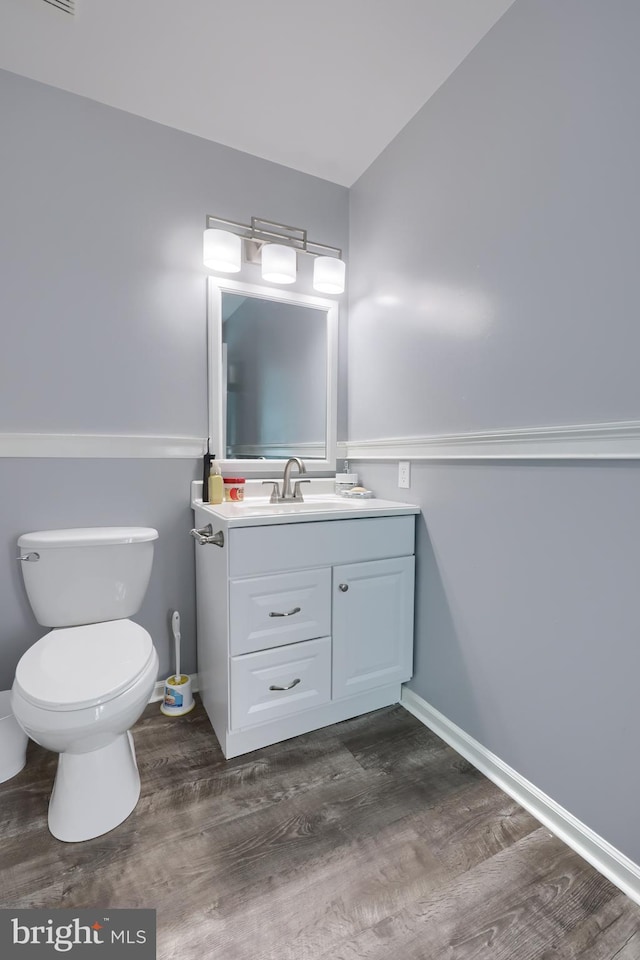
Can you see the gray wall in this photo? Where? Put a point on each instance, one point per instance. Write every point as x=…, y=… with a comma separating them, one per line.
x=494, y=282
x=494, y=242
x=103, y=319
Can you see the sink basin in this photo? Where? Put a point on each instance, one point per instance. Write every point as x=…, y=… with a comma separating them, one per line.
x=262, y=507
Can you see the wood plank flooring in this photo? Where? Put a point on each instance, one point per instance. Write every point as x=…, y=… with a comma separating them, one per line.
x=368, y=840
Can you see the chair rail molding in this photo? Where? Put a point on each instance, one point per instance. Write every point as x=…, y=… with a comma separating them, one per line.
x=602, y=855
x=619, y=440
x=63, y=445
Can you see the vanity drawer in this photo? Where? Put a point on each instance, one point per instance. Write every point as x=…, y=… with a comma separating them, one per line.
x=294, y=546
x=303, y=669
x=267, y=612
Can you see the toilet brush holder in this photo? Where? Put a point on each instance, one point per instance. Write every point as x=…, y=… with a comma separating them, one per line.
x=178, y=696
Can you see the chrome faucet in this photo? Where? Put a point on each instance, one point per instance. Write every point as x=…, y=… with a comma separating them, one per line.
x=286, y=479
x=286, y=495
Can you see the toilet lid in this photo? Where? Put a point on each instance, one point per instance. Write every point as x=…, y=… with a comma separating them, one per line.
x=76, y=667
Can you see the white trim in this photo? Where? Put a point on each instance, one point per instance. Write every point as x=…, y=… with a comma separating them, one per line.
x=99, y=446
x=609, y=861
x=158, y=691
x=217, y=418
x=618, y=440
x=277, y=451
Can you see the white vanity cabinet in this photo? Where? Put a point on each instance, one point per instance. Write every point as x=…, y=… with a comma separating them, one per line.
x=301, y=624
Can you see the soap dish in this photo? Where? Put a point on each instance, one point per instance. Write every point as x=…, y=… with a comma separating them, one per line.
x=358, y=493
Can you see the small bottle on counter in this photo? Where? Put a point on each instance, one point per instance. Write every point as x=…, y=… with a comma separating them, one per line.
x=216, y=483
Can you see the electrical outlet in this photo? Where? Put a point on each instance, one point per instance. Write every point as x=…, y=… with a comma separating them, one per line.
x=404, y=474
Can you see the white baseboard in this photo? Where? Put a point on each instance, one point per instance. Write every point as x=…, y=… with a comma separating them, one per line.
x=158, y=690
x=609, y=861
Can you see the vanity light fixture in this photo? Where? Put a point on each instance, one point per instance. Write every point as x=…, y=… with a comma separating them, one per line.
x=275, y=246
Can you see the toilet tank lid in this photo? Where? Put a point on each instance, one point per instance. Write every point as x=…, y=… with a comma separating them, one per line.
x=85, y=537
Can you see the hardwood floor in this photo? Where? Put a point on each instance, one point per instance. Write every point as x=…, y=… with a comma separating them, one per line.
x=368, y=840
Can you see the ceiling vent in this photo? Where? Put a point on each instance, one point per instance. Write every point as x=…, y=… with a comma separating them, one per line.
x=69, y=6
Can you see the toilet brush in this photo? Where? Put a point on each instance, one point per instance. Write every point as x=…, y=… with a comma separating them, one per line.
x=175, y=626
x=178, y=698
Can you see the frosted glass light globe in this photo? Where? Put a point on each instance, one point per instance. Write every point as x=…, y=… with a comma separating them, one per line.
x=328, y=275
x=222, y=251
x=278, y=263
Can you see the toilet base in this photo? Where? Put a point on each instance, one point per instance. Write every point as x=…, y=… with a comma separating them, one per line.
x=94, y=792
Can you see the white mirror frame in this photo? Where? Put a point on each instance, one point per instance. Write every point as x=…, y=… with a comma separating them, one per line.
x=217, y=426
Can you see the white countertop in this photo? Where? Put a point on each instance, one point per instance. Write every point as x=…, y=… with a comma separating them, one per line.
x=321, y=504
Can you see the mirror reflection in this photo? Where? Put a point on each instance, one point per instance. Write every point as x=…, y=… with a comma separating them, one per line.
x=274, y=369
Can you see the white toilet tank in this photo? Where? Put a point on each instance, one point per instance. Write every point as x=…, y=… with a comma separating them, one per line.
x=88, y=574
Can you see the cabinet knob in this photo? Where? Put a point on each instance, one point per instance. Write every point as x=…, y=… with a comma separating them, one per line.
x=343, y=587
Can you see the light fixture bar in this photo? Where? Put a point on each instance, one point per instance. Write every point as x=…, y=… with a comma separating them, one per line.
x=270, y=231
x=278, y=233
x=323, y=250
x=242, y=229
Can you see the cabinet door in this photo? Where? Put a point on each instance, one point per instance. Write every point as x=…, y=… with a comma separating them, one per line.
x=372, y=625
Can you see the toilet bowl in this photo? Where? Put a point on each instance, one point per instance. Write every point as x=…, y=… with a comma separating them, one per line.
x=80, y=688
x=13, y=740
x=77, y=691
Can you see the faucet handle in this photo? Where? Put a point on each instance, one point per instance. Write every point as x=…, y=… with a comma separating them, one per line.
x=275, y=492
x=297, y=492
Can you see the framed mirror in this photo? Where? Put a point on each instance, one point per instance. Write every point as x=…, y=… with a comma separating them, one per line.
x=272, y=361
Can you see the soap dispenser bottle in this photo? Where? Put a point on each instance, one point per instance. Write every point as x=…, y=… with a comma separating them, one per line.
x=345, y=481
x=216, y=483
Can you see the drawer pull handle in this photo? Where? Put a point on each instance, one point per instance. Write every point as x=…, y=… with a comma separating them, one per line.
x=343, y=587
x=294, y=683
x=289, y=613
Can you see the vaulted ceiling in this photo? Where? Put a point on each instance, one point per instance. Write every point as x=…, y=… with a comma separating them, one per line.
x=320, y=86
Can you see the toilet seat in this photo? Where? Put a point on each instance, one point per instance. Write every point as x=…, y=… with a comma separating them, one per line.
x=71, y=668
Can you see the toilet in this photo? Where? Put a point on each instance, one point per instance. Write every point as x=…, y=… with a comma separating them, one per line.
x=81, y=687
